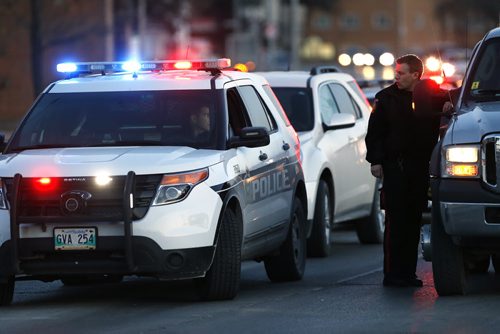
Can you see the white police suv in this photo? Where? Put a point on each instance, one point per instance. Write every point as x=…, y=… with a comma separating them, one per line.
x=174, y=170
x=331, y=114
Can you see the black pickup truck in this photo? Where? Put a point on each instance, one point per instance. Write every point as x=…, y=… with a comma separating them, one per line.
x=465, y=178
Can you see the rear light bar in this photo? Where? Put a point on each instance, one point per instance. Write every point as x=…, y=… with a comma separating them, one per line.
x=133, y=66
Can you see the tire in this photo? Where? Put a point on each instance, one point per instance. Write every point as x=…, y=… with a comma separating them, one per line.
x=448, y=265
x=222, y=280
x=289, y=264
x=318, y=244
x=370, y=230
x=7, y=292
x=495, y=260
x=478, y=264
x=86, y=280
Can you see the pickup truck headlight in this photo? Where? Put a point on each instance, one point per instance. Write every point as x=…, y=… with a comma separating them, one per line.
x=3, y=200
x=461, y=161
x=176, y=187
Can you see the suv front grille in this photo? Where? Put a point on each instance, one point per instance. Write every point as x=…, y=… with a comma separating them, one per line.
x=104, y=203
x=491, y=162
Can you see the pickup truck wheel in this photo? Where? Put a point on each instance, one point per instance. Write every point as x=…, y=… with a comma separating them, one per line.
x=290, y=263
x=318, y=244
x=84, y=280
x=222, y=281
x=448, y=265
x=370, y=230
x=495, y=260
x=478, y=264
x=7, y=292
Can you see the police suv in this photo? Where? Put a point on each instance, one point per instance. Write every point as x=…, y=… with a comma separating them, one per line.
x=465, y=178
x=108, y=175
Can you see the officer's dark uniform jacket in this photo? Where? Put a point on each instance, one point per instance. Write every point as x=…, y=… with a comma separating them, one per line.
x=400, y=129
x=390, y=130
x=401, y=140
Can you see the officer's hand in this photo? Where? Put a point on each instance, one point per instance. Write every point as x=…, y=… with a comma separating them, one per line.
x=377, y=171
x=448, y=107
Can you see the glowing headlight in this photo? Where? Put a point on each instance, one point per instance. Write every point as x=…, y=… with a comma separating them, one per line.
x=461, y=161
x=176, y=187
x=3, y=200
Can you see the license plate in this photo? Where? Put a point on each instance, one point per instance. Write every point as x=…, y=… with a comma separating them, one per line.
x=77, y=238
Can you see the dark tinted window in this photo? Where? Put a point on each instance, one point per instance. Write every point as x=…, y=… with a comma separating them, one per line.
x=297, y=103
x=485, y=83
x=259, y=115
x=121, y=118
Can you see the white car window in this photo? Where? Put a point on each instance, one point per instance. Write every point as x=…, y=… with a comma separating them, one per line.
x=344, y=100
x=327, y=105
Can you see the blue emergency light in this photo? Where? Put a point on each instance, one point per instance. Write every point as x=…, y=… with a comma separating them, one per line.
x=136, y=66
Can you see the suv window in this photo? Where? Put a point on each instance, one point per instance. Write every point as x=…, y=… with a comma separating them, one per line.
x=297, y=103
x=259, y=115
x=327, y=105
x=344, y=99
x=119, y=118
x=276, y=104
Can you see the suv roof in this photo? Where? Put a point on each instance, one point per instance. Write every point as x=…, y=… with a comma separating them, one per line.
x=302, y=78
x=115, y=78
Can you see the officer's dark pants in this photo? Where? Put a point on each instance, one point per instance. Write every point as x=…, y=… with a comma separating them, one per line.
x=404, y=195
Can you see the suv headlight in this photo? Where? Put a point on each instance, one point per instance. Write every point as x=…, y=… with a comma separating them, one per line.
x=176, y=187
x=461, y=161
x=3, y=200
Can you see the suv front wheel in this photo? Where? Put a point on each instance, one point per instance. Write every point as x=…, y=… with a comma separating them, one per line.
x=222, y=280
x=370, y=230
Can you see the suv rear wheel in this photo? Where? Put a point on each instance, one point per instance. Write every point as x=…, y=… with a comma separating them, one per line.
x=222, y=280
x=318, y=244
x=289, y=265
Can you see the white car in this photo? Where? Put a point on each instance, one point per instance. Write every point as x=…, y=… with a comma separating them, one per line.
x=152, y=171
x=330, y=113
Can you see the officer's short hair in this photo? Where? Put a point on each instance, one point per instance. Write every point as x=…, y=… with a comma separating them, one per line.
x=414, y=62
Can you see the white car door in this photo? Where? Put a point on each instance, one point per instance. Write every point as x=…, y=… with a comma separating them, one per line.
x=359, y=191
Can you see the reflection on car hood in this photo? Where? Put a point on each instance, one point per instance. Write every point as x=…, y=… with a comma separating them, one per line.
x=470, y=127
x=112, y=160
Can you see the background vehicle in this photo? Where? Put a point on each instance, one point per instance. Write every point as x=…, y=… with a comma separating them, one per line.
x=465, y=177
x=103, y=178
x=330, y=113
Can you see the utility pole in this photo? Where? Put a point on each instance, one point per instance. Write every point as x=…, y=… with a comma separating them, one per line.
x=110, y=30
x=294, y=33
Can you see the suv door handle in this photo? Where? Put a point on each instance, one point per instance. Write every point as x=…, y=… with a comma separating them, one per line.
x=286, y=146
x=262, y=156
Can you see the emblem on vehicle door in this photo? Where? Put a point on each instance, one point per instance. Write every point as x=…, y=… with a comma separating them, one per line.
x=74, y=201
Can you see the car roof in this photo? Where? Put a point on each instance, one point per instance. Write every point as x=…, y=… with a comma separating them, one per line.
x=144, y=81
x=301, y=78
x=493, y=33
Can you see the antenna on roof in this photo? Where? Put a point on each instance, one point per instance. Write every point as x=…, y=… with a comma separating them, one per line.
x=187, y=52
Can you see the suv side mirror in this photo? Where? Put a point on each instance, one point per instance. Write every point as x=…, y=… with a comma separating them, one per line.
x=250, y=137
x=339, y=121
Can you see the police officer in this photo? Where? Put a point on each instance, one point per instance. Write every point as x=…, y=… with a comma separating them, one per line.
x=394, y=153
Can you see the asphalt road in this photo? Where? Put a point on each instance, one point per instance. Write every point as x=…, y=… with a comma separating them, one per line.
x=339, y=294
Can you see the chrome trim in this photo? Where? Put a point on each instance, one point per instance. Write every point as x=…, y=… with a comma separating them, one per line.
x=487, y=140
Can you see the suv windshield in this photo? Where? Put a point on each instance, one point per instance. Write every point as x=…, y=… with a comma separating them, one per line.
x=297, y=103
x=485, y=85
x=139, y=118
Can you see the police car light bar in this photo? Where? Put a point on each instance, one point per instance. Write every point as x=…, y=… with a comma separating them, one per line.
x=132, y=66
